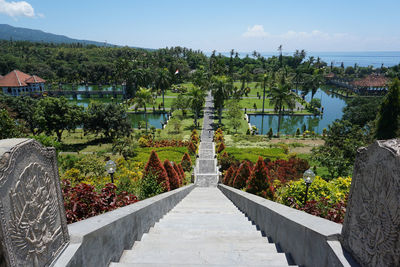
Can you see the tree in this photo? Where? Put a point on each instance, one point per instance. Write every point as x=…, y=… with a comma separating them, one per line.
x=282, y=95
x=163, y=82
x=155, y=167
x=178, y=171
x=196, y=101
x=361, y=110
x=387, y=126
x=24, y=108
x=260, y=182
x=109, y=119
x=8, y=126
x=220, y=90
x=229, y=175
x=242, y=175
x=234, y=114
x=339, y=151
x=186, y=162
x=54, y=115
x=180, y=103
x=172, y=175
x=312, y=83
x=142, y=98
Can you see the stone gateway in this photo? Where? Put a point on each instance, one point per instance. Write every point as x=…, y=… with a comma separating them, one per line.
x=33, y=228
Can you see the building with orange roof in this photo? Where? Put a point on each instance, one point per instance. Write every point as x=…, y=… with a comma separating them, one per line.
x=18, y=83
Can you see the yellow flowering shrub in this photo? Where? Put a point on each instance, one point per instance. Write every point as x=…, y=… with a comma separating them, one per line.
x=334, y=190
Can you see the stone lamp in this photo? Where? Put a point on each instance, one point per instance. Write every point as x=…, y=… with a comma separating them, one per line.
x=308, y=178
x=110, y=168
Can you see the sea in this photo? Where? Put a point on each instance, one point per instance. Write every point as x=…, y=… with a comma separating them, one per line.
x=363, y=59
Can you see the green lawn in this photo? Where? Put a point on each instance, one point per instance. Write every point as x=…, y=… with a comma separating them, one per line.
x=174, y=154
x=225, y=122
x=252, y=153
x=252, y=86
x=249, y=103
x=158, y=100
x=187, y=125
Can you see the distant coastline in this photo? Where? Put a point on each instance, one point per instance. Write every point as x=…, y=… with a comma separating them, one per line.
x=363, y=59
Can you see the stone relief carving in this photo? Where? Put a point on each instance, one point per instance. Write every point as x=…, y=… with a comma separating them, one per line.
x=33, y=214
x=33, y=228
x=371, y=230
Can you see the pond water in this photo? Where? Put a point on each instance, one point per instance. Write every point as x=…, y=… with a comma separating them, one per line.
x=154, y=119
x=82, y=88
x=332, y=104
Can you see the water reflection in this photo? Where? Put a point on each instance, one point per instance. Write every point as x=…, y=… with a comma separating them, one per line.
x=332, y=104
x=155, y=120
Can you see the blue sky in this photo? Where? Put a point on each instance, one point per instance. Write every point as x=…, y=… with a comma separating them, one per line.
x=262, y=25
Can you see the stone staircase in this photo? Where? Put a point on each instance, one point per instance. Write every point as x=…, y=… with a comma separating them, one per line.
x=206, y=171
x=204, y=229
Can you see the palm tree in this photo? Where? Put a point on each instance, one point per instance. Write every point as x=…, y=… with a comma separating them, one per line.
x=312, y=83
x=221, y=89
x=281, y=95
x=196, y=101
x=143, y=97
x=163, y=82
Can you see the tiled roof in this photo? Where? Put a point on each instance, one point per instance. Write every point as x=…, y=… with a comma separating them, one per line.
x=17, y=78
x=35, y=79
x=372, y=80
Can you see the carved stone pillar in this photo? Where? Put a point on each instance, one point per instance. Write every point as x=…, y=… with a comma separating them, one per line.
x=33, y=227
x=371, y=229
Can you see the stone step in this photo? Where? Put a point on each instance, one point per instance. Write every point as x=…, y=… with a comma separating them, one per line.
x=206, y=180
x=206, y=145
x=206, y=166
x=217, y=237
x=203, y=257
x=114, y=264
x=206, y=154
x=220, y=245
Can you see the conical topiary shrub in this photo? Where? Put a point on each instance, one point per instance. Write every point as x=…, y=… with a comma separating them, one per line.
x=178, y=172
x=192, y=148
x=221, y=148
x=228, y=174
x=172, y=175
x=186, y=163
x=155, y=166
x=260, y=182
x=182, y=173
x=242, y=175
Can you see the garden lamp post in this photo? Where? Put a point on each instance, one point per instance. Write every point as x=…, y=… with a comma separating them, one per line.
x=110, y=168
x=308, y=178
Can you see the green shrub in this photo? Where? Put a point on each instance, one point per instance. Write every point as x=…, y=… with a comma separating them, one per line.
x=334, y=190
x=47, y=141
x=149, y=186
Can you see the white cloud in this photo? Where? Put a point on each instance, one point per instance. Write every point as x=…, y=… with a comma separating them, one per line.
x=255, y=31
x=16, y=9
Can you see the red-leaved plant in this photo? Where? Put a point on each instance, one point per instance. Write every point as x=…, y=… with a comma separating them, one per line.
x=82, y=201
x=155, y=166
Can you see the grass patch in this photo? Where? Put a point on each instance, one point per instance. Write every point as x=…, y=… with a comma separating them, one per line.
x=174, y=154
x=252, y=153
x=187, y=125
x=228, y=129
x=321, y=171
